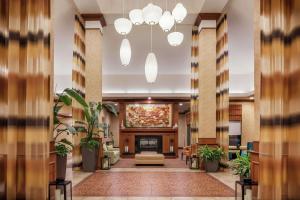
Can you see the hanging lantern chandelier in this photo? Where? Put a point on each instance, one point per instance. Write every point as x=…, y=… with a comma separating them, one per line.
x=123, y=25
x=175, y=38
x=151, y=67
x=136, y=16
x=125, y=52
x=166, y=22
x=179, y=12
x=152, y=14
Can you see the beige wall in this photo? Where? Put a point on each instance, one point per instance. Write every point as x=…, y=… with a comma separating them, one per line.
x=248, y=123
x=257, y=67
x=63, y=13
x=182, y=129
x=207, y=83
x=93, y=40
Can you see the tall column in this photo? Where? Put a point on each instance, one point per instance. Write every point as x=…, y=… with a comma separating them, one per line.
x=279, y=100
x=222, y=93
x=194, y=86
x=207, y=79
x=93, y=64
x=78, y=81
x=25, y=94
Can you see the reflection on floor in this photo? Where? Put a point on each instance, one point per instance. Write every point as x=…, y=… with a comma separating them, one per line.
x=169, y=163
x=113, y=188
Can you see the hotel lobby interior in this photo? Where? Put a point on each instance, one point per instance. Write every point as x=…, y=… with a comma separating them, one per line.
x=149, y=99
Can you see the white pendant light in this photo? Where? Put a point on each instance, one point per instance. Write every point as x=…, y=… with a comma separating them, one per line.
x=152, y=14
x=151, y=68
x=179, y=12
x=136, y=16
x=125, y=52
x=123, y=26
x=175, y=38
x=166, y=22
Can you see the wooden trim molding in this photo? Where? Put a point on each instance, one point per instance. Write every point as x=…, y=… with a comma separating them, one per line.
x=207, y=141
x=95, y=17
x=206, y=16
x=242, y=99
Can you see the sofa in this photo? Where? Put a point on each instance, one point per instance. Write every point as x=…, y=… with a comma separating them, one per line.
x=113, y=153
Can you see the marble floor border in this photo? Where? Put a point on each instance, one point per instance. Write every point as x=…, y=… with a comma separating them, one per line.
x=154, y=170
x=153, y=198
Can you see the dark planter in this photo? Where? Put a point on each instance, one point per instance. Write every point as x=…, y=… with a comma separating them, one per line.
x=89, y=159
x=211, y=166
x=245, y=179
x=61, y=166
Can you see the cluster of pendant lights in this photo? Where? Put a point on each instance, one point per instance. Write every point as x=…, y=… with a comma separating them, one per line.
x=151, y=15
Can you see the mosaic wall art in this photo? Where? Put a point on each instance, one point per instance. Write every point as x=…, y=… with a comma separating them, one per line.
x=148, y=115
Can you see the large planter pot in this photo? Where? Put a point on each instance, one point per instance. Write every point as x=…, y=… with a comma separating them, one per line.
x=61, y=166
x=245, y=179
x=211, y=165
x=89, y=159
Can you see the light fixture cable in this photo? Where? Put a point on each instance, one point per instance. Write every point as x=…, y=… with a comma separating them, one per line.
x=151, y=39
x=123, y=8
x=166, y=5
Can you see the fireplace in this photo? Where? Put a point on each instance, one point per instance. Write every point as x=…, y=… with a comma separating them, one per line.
x=148, y=143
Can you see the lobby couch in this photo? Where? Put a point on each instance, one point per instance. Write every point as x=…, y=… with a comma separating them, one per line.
x=113, y=153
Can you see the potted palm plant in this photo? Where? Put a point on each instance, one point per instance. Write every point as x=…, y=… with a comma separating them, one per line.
x=211, y=157
x=241, y=167
x=92, y=128
x=62, y=145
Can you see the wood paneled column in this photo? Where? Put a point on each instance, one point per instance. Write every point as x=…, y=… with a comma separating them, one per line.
x=207, y=79
x=93, y=71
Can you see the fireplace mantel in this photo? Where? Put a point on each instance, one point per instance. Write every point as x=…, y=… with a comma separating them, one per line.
x=127, y=135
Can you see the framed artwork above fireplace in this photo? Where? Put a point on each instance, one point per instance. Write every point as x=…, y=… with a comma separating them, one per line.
x=148, y=116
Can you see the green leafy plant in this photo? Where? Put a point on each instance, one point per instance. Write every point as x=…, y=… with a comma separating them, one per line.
x=210, y=154
x=91, y=125
x=62, y=146
x=223, y=165
x=241, y=165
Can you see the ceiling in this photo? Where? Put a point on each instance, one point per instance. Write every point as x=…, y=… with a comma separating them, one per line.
x=174, y=62
x=113, y=8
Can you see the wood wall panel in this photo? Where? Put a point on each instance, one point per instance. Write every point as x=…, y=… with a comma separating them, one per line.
x=208, y=141
x=166, y=143
x=254, y=166
x=235, y=112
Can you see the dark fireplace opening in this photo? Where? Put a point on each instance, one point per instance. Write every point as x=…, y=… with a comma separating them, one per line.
x=148, y=143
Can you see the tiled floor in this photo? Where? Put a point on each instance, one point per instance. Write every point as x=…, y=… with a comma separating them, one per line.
x=153, y=198
x=225, y=177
